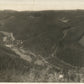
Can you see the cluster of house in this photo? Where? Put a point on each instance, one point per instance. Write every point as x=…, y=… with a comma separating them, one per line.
x=8, y=39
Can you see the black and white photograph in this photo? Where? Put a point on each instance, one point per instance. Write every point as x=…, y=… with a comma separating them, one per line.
x=42, y=41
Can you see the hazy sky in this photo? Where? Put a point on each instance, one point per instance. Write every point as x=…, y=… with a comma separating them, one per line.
x=41, y=4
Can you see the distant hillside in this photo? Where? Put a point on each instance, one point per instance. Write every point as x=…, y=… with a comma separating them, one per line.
x=43, y=31
x=53, y=40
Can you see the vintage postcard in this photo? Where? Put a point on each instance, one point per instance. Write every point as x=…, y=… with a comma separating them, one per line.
x=42, y=41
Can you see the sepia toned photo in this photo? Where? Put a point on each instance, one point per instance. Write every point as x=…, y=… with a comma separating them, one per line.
x=42, y=41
